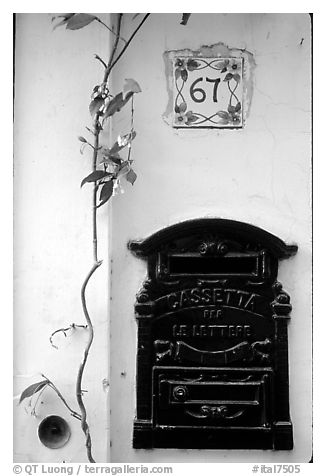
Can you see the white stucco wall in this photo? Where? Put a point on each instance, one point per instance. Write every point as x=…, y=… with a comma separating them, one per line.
x=55, y=74
x=259, y=175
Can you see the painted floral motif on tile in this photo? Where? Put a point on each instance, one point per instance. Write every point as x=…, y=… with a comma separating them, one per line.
x=208, y=92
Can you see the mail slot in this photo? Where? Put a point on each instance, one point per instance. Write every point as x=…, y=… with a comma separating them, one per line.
x=216, y=265
x=212, y=343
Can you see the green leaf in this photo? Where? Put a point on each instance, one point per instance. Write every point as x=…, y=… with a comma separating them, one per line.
x=131, y=85
x=185, y=18
x=122, y=142
x=79, y=20
x=106, y=192
x=238, y=107
x=127, y=97
x=177, y=73
x=124, y=168
x=231, y=109
x=109, y=158
x=236, y=77
x=32, y=389
x=131, y=176
x=114, y=105
x=116, y=159
x=82, y=139
x=191, y=118
x=95, y=176
x=115, y=148
x=228, y=77
x=95, y=105
x=65, y=17
x=184, y=74
x=182, y=107
x=192, y=64
x=126, y=139
x=223, y=114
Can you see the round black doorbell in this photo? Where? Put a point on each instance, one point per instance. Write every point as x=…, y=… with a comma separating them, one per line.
x=54, y=432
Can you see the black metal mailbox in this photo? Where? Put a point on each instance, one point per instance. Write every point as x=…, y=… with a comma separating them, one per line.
x=212, y=360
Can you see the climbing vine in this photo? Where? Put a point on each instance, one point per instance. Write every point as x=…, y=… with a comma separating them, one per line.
x=110, y=164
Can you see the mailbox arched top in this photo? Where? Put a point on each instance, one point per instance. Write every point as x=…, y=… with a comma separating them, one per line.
x=233, y=229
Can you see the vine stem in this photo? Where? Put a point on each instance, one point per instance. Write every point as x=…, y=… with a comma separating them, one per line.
x=64, y=330
x=110, y=29
x=96, y=140
x=95, y=188
x=111, y=66
x=51, y=385
x=131, y=128
x=96, y=263
x=79, y=394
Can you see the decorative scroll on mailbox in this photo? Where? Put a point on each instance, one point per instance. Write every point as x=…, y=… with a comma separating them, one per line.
x=212, y=359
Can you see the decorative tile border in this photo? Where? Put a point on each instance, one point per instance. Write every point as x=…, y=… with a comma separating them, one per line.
x=210, y=88
x=208, y=92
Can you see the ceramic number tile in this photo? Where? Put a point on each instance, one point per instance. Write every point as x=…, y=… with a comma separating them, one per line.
x=208, y=92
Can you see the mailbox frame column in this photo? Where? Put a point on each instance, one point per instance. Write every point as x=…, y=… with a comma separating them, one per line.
x=283, y=431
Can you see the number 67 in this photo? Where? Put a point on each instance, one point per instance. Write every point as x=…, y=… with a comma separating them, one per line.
x=202, y=94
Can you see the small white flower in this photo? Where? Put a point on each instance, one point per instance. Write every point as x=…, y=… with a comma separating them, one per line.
x=117, y=188
x=121, y=141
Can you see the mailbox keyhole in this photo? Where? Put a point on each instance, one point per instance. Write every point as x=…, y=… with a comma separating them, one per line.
x=180, y=393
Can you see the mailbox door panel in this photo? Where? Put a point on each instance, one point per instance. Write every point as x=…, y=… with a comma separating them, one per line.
x=218, y=397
